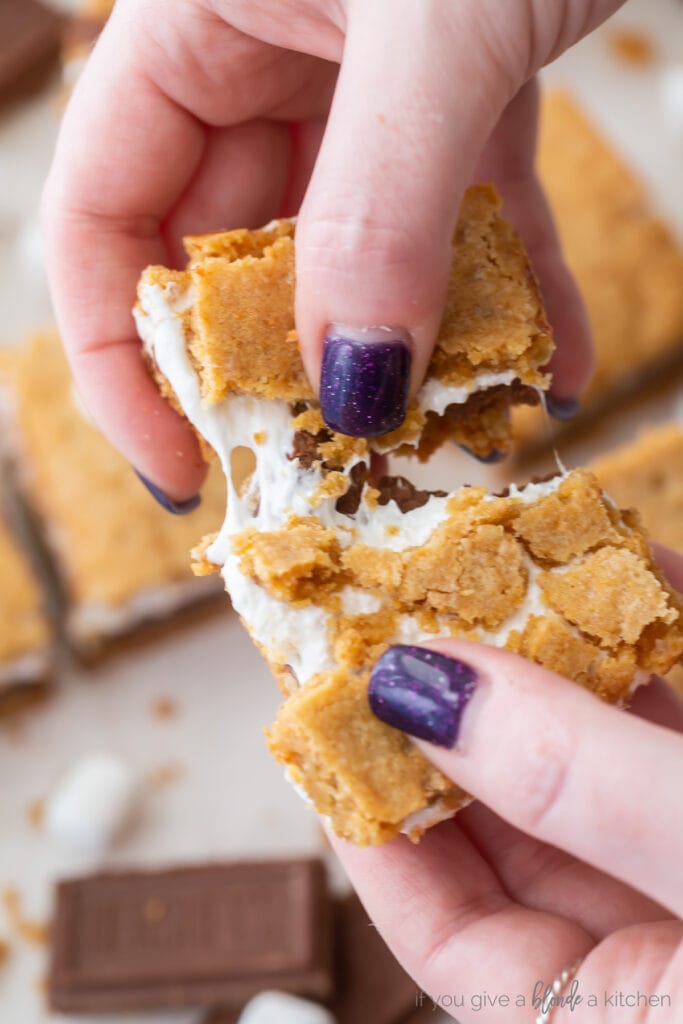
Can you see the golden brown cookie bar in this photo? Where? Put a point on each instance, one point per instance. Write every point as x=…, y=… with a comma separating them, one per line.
x=552, y=572
x=648, y=475
x=626, y=261
x=121, y=558
x=328, y=569
x=25, y=635
x=238, y=290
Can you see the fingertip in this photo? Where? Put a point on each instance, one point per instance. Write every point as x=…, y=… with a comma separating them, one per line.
x=367, y=284
x=365, y=379
x=176, y=508
x=130, y=411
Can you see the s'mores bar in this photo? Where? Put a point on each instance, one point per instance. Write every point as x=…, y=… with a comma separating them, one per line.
x=648, y=475
x=328, y=568
x=626, y=261
x=25, y=636
x=121, y=559
x=237, y=295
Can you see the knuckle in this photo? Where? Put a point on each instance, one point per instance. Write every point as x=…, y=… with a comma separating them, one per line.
x=372, y=263
x=326, y=239
x=542, y=776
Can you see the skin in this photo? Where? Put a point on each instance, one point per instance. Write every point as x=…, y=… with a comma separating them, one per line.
x=572, y=849
x=192, y=117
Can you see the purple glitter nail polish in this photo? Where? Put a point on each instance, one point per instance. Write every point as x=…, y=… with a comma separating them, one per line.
x=176, y=508
x=421, y=692
x=493, y=457
x=561, y=408
x=364, y=384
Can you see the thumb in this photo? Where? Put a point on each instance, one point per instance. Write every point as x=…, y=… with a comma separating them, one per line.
x=544, y=754
x=416, y=98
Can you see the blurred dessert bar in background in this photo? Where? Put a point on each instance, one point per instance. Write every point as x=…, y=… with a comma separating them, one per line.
x=648, y=475
x=626, y=261
x=121, y=559
x=25, y=635
x=237, y=298
x=30, y=35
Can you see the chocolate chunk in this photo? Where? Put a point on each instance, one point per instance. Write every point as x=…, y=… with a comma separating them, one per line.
x=371, y=984
x=29, y=44
x=198, y=936
x=405, y=494
x=306, y=448
x=349, y=502
x=224, y=1015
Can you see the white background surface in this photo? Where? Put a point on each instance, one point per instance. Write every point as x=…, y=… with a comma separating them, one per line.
x=230, y=798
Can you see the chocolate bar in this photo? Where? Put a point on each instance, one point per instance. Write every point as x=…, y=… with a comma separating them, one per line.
x=29, y=43
x=224, y=1015
x=195, y=936
x=371, y=984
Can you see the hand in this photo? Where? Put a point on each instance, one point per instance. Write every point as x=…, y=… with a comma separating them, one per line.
x=191, y=117
x=573, y=852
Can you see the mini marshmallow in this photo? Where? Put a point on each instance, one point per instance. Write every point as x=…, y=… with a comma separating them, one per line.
x=671, y=94
x=281, y=1008
x=92, y=804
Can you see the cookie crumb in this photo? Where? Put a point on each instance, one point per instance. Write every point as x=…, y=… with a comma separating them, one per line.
x=166, y=774
x=35, y=813
x=633, y=46
x=35, y=932
x=164, y=708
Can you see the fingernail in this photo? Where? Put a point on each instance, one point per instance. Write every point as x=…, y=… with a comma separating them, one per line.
x=177, y=508
x=562, y=408
x=488, y=460
x=421, y=692
x=365, y=380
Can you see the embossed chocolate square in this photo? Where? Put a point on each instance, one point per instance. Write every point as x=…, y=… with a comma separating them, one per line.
x=192, y=936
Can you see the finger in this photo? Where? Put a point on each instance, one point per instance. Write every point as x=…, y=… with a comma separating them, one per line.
x=508, y=160
x=543, y=877
x=631, y=972
x=306, y=138
x=131, y=141
x=453, y=928
x=374, y=236
x=101, y=227
x=547, y=756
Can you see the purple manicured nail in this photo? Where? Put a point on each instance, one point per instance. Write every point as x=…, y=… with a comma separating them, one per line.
x=493, y=456
x=365, y=380
x=421, y=692
x=176, y=508
x=561, y=408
